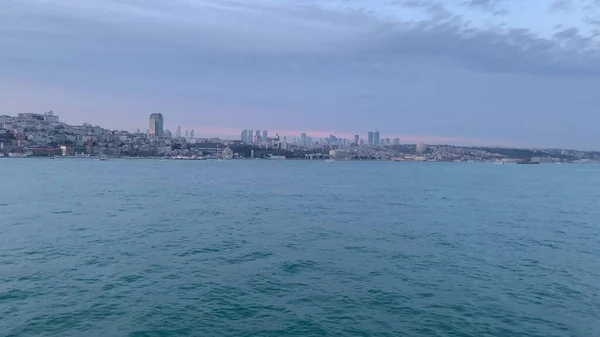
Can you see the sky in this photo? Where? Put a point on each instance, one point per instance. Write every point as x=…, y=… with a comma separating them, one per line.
x=473, y=72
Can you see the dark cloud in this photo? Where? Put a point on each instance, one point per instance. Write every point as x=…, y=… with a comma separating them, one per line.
x=305, y=33
x=562, y=6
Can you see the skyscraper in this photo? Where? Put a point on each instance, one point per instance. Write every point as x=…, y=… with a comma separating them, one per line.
x=250, y=136
x=257, y=135
x=303, y=139
x=396, y=141
x=370, y=138
x=156, y=124
x=192, y=134
x=187, y=134
x=244, y=136
x=265, y=135
x=376, y=138
x=178, y=134
x=356, y=139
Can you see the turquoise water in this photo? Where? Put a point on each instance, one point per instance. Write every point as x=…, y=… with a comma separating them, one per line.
x=281, y=248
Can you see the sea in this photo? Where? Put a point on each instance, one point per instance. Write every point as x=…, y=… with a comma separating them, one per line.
x=298, y=248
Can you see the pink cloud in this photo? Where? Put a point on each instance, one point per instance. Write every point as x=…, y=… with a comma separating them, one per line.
x=234, y=134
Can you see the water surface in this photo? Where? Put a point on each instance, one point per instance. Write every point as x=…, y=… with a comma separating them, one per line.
x=295, y=248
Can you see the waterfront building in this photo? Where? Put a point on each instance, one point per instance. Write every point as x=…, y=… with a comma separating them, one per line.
x=156, y=124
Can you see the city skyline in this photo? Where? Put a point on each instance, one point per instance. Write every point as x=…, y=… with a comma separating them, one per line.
x=460, y=72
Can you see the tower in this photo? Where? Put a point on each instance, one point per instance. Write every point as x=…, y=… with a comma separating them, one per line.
x=156, y=124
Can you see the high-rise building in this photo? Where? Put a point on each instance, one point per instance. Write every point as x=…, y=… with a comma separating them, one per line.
x=356, y=138
x=370, y=138
x=192, y=134
x=156, y=124
x=178, y=134
x=257, y=136
x=396, y=141
x=250, y=136
x=187, y=134
x=265, y=135
x=421, y=147
x=376, y=138
x=303, y=139
x=168, y=134
x=244, y=136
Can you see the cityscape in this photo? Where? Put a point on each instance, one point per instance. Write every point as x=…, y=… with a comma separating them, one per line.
x=44, y=135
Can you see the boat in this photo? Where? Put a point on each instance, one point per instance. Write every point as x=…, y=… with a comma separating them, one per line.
x=330, y=160
x=103, y=158
x=17, y=155
x=499, y=162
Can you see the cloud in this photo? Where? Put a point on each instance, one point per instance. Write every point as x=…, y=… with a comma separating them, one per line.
x=562, y=6
x=350, y=37
x=497, y=7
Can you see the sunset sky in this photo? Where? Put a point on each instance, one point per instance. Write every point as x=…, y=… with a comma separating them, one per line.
x=489, y=72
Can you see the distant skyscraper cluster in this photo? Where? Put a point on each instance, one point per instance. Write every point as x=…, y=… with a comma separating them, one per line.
x=373, y=138
x=248, y=136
